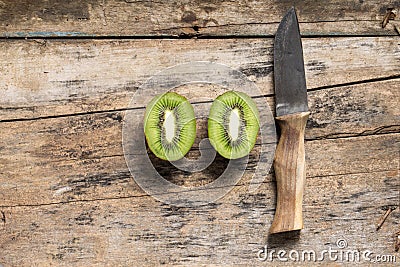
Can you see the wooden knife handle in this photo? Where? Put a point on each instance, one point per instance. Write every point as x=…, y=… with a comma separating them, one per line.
x=289, y=165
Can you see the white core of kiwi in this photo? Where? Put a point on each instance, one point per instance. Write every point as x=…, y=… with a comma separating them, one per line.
x=234, y=124
x=169, y=125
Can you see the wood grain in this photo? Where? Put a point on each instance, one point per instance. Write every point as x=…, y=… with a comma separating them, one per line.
x=334, y=110
x=290, y=173
x=81, y=157
x=67, y=197
x=93, y=18
x=52, y=78
x=231, y=231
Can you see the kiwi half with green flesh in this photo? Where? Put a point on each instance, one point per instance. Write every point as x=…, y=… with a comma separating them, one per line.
x=233, y=124
x=170, y=126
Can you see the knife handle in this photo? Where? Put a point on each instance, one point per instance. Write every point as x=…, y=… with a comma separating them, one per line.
x=289, y=165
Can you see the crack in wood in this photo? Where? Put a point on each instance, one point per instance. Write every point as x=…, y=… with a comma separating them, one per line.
x=387, y=78
x=3, y=217
x=183, y=36
x=238, y=185
x=389, y=129
x=366, y=81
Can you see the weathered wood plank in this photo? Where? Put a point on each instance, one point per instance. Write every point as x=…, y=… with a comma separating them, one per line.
x=66, y=194
x=80, y=157
x=51, y=78
x=356, y=110
x=230, y=231
x=90, y=18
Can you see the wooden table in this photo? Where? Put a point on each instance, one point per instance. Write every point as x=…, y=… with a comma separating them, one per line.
x=69, y=70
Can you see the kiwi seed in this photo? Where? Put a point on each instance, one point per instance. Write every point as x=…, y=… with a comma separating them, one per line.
x=170, y=126
x=233, y=124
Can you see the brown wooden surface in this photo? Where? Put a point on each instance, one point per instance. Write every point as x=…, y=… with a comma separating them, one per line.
x=91, y=18
x=66, y=194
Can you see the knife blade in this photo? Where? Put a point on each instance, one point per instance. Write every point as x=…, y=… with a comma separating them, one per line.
x=292, y=114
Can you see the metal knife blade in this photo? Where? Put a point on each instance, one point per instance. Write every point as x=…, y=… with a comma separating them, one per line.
x=290, y=81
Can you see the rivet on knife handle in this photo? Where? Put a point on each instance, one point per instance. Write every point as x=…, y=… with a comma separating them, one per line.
x=292, y=114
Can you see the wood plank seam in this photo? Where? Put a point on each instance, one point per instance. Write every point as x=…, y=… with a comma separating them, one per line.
x=145, y=195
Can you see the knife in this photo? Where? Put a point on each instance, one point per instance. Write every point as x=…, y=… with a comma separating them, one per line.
x=291, y=116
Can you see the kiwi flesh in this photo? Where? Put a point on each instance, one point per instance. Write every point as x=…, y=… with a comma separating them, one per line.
x=170, y=126
x=233, y=124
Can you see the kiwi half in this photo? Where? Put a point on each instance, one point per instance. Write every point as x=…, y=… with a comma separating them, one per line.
x=233, y=124
x=170, y=126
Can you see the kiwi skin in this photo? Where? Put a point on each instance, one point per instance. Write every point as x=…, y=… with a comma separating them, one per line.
x=218, y=124
x=184, y=126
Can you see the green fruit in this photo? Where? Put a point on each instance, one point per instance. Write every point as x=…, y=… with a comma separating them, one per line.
x=170, y=126
x=233, y=124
